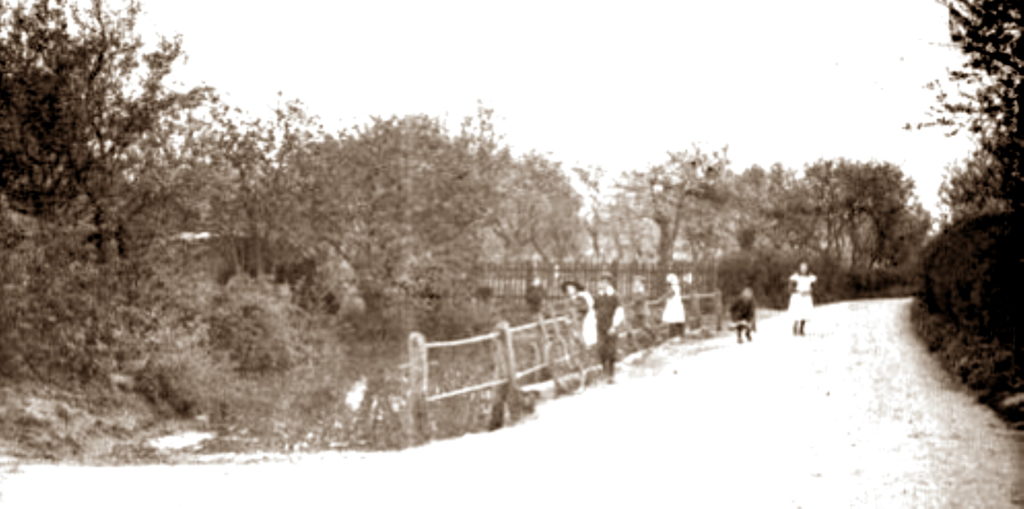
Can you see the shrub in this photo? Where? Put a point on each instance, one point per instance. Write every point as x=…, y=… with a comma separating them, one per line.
x=767, y=271
x=971, y=286
x=189, y=381
x=971, y=274
x=65, y=319
x=256, y=324
x=982, y=363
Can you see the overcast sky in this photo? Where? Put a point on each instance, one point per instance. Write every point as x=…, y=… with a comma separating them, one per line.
x=611, y=84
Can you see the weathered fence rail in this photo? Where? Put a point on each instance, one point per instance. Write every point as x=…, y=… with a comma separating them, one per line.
x=516, y=353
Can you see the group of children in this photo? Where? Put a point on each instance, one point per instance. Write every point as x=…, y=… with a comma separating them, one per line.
x=603, y=316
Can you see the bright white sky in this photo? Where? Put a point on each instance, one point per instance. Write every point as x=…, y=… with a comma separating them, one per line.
x=611, y=84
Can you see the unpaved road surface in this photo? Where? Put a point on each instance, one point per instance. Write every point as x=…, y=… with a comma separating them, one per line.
x=856, y=414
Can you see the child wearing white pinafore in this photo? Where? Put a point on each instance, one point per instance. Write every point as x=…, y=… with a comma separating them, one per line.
x=801, y=301
x=674, y=314
x=583, y=302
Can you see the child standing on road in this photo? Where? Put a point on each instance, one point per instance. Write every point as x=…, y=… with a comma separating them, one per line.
x=674, y=314
x=583, y=303
x=610, y=317
x=742, y=312
x=801, y=302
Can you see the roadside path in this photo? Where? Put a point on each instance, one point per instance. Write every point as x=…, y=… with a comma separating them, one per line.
x=856, y=414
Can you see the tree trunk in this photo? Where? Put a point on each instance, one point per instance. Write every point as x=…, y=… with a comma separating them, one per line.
x=595, y=239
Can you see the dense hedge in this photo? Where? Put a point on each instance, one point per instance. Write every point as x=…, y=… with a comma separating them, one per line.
x=969, y=305
x=767, y=272
x=971, y=274
x=978, y=361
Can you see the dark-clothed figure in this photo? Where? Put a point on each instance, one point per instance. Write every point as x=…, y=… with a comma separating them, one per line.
x=743, y=315
x=535, y=296
x=610, y=316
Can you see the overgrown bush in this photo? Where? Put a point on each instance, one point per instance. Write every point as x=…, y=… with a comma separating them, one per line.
x=65, y=319
x=452, y=319
x=982, y=363
x=971, y=274
x=968, y=304
x=255, y=322
x=883, y=282
x=187, y=380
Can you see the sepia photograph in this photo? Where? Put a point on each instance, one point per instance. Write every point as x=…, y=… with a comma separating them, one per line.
x=496, y=254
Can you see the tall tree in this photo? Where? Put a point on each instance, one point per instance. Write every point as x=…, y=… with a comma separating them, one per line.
x=749, y=194
x=78, y=98
x=988, y=32
x=538, y=212
x=876, y=201
x=406, y=203
x=789, y=211
x=593, y=181
x=257, y=183
x=679, y=196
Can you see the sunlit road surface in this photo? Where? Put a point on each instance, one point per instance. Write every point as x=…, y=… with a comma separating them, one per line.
x=855, y=414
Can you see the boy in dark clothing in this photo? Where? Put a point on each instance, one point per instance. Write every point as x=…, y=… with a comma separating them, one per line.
x=610, y=316
x=743, y=316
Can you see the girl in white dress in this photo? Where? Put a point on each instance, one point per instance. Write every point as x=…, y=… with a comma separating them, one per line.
x=674, y=314
x=584, y=305
x=801, y=302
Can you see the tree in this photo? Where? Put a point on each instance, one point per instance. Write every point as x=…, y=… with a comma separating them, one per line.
x=858, y=208
x=878, y=208
x=78, y=101
x=750, y=194
x=595, y=209
x=680, y=196
x=538, y=211
x=832, y=222
x=789, y=213
x=974, y=188
x=406, y=204
x=254, y=184
x=633, y=235
x=988, y=33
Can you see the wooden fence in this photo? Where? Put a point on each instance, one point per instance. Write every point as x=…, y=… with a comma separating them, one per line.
x=516, y=352
x=510, y=280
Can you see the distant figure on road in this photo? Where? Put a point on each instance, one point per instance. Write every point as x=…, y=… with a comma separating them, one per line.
x=535, y=296
x=583, y=303
x=743, y=315
x=610, y=317
x=674, y=314
x=801, y=302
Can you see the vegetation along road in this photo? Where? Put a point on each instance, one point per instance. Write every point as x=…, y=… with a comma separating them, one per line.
x=855, y=414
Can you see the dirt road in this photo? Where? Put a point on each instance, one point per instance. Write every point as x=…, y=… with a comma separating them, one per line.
x=856, y=414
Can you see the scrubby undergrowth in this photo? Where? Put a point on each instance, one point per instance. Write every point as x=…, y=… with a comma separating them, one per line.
x=980, y=363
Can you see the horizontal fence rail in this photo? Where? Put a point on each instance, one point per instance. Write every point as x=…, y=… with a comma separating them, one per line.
x=462, y=342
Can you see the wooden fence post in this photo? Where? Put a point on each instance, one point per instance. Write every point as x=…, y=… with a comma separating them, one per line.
x=417, y=417
x=508, y=394
x=545, y=348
